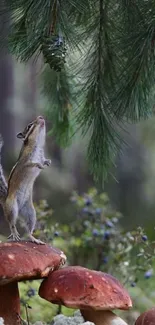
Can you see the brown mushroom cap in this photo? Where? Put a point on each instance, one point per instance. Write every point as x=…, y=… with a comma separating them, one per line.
x=78, y=287
x=146, y=318
x=25, y=261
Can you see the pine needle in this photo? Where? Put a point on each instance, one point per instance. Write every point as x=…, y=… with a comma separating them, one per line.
x=112, y=46
x=57, y=89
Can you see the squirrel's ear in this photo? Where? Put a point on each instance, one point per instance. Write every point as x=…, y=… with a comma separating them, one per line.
x=20, y=135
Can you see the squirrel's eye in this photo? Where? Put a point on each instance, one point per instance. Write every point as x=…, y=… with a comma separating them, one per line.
x=29, y=126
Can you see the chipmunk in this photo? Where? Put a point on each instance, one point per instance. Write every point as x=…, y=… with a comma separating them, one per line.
x=16, y=196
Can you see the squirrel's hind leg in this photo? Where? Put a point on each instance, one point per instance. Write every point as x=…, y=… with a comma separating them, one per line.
x=29, y=214
x=11, y=214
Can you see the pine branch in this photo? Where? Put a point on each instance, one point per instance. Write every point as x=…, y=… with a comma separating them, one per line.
x=29, y=23
x=20, y=42
x=96, y=114
x=135, y=83
x=114, y=77
x=33, y=20
x=57, y=89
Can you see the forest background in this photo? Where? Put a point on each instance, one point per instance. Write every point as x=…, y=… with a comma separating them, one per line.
x=129, y=184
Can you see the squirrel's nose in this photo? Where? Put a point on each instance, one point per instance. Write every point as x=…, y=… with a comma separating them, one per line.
x=40, y=121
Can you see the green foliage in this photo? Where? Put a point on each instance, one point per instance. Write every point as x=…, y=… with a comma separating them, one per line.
x=59, y=104
x=136, y=81
x=109, y=49
x=98, y=73
x=95, y=239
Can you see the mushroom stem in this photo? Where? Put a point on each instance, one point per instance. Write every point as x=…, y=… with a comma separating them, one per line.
x=10, y=304
x=102, y=317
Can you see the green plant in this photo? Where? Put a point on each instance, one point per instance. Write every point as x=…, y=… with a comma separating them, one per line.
x=95, y=239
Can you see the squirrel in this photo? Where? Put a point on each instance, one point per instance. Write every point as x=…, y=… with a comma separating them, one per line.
x=16, y=195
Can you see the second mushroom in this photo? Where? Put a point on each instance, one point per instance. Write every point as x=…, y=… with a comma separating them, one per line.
x=95, y=293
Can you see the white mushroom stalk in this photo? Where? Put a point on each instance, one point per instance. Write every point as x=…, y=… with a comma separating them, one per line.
x=102, y=317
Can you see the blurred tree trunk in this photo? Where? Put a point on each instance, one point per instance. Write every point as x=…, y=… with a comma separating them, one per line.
x=6, y=104
x=6, y=93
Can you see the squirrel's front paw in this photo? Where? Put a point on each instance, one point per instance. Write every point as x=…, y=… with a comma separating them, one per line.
x=40, y=166
x=47, y=162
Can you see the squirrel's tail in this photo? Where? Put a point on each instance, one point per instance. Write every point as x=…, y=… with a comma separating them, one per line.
x=3, y=183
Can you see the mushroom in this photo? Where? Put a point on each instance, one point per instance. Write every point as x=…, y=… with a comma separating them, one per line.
x=94, y=293
x=20, y=261
x=146, y=318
